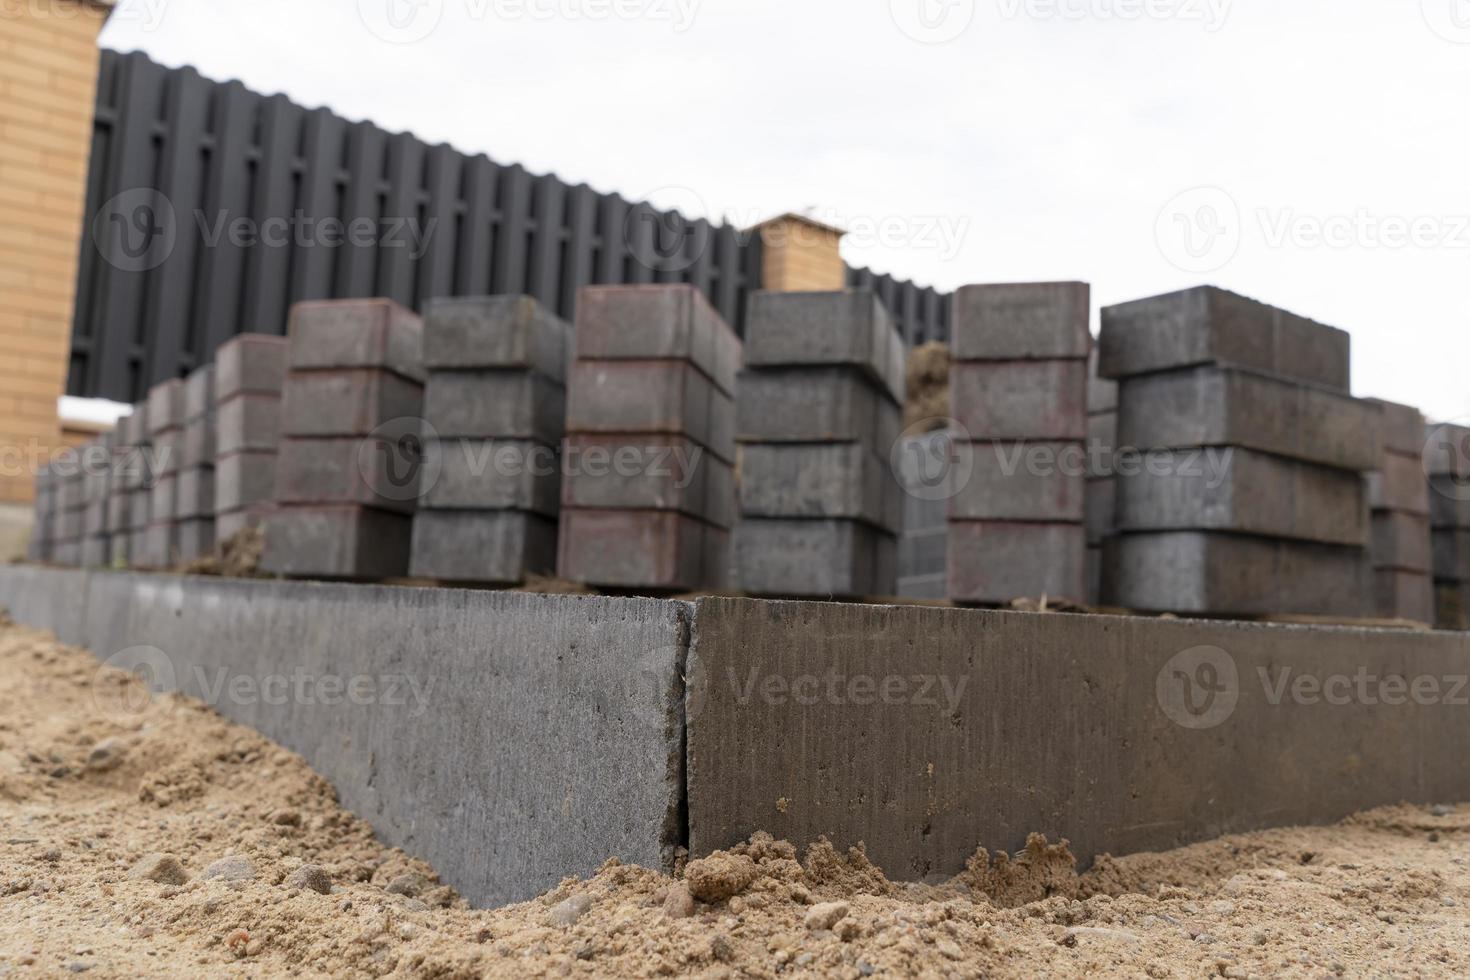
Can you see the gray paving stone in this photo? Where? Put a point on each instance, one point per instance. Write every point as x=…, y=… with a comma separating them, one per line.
x=1401, y=542
x=1020, y=399
x=1019, y=481
x=838, y=481
x=226, y=526
x=1210, y=326
x=346, y=471
x=195, y=493
x=132, y=429
x=337, y=542
x=492, y=474
x=463, y=333
x=923, y=555
x=847, y=328
x=493, y=546
x=163, y=498
x=817, y=558
x=95, y=551
x=1102, y=393
x=1229, y=574
x=1244, y=492
x=1404, y=595
x=165, y=406
x=117, y=550
x=356, y=333
x=661, y=550
x=1021, y=321
x=166, y=454
x=250, y=364
x=1216, y=407
x=649, y=397
x=652, y=472
x=160, y=546
x=1101, y=506
x=992, y=562
x=67, y=553
x=496, y=405
x=199, y=393
x=1447, y=451
x=1452, y=555
x=346, y=402
x=657, y=322
x=1402, y=428
x=119, y=510
x=1398, y=483
x=196, y=538
x=199, y=444
x=248, y=422
x=1449, y=502
x=815, y=405
x=244, y=480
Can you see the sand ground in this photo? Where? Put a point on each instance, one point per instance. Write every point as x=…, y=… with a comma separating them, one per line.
x=169, y=842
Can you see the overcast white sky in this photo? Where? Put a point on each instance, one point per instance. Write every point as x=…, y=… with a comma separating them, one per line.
x=1042, y=139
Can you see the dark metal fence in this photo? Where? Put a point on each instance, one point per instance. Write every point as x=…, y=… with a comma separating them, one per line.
x=211, y=209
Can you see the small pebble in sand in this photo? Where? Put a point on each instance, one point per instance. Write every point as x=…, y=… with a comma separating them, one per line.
x=286, y=818
x=106, y=755
x=232, y=868
x=678, y=904
x=1440, y=810
x=407, y=885
x=566, y=913
x=162, y=868
x=719, y=876
x=826, y=915
x=310, y=877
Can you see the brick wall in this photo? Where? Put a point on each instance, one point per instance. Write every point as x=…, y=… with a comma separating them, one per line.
x=48, y=76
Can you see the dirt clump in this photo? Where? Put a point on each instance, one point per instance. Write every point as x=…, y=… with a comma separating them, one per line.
x=928, y=386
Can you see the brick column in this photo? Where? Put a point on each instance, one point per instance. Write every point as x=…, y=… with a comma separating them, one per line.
x=48, y=77
x=800, y=255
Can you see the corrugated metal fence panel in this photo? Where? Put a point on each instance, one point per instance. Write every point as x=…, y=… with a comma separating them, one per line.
x=211, y=209
x=920, y=312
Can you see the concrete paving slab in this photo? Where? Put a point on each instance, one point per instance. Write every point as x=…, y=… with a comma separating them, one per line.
x=346, y=471
x=165, y=406
x=1020, y=399
x=648, y=472
x=815, y=405
x=1404, y=595
x=1019, y=481
x=492, y=474
x=356, y=333
x=347, y=402
x=500, y=546
x=1399, y=484
x=337, y=541
x=199, y=393
x=816, y=558
x=1021, y=321
x=657, y=322
x=248, y=422
x=467, y=332
x=993, y=562
x=651, y=397
x=250, y=363
x=849, y=328
x=509, y=404
x=660, y=550
x=1401, y=542
x=839, y=481
x=244, y=480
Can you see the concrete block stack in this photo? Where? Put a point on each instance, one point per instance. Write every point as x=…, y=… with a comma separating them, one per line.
x=924, y=472
x=1446, y=459
x=1101, y=492
x=820, y=410
x=1018, y=390
x=39, y=546
x=495, y=404
x=97, y=467
x=249, y=376
x=194, y=494
x=129, y=497
x=648, y=493
x=1398, y=493
x=69, y=516
x=160, y=542
x=1254, y=500
x=350, y=453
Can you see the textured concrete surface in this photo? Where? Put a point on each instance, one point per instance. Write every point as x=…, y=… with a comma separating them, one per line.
x=648, y=397
x=1208, y=325
x=496, y=404
x=248, y=422
x=1019, y=481
x=356, y=333
x=808, y=719
x=501, y=546
x=816, y=558
x=642, y=549
x=508, y=739
x=1404, y=595
x=837, y=480
x=1020, y=399
x=997, y=561
x=648, y=472
x=346, y=402
x=250, y=364
x=491, y=474
x=516, y=332
x=1021, y=321
x=848, y=328
x=664, y=322
x=337, y=542
x=814, y=405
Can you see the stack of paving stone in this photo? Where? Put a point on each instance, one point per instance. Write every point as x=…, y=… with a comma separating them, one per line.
x=194, y=495
x=820, y=409
x=495, y=404
x=39, y=547
x=97, y=468
x=1398, y=493
x=69, y=516
x=128, y=502
x=648, y=493
x=1446, y=458
x=350, y=451
x=249, y=374
x=924, y=466
x=1101, y=502
x=1018, y=390
x=1253, y=500
x=166, y=435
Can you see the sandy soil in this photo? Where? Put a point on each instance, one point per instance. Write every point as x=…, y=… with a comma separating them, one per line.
x=176, y=844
